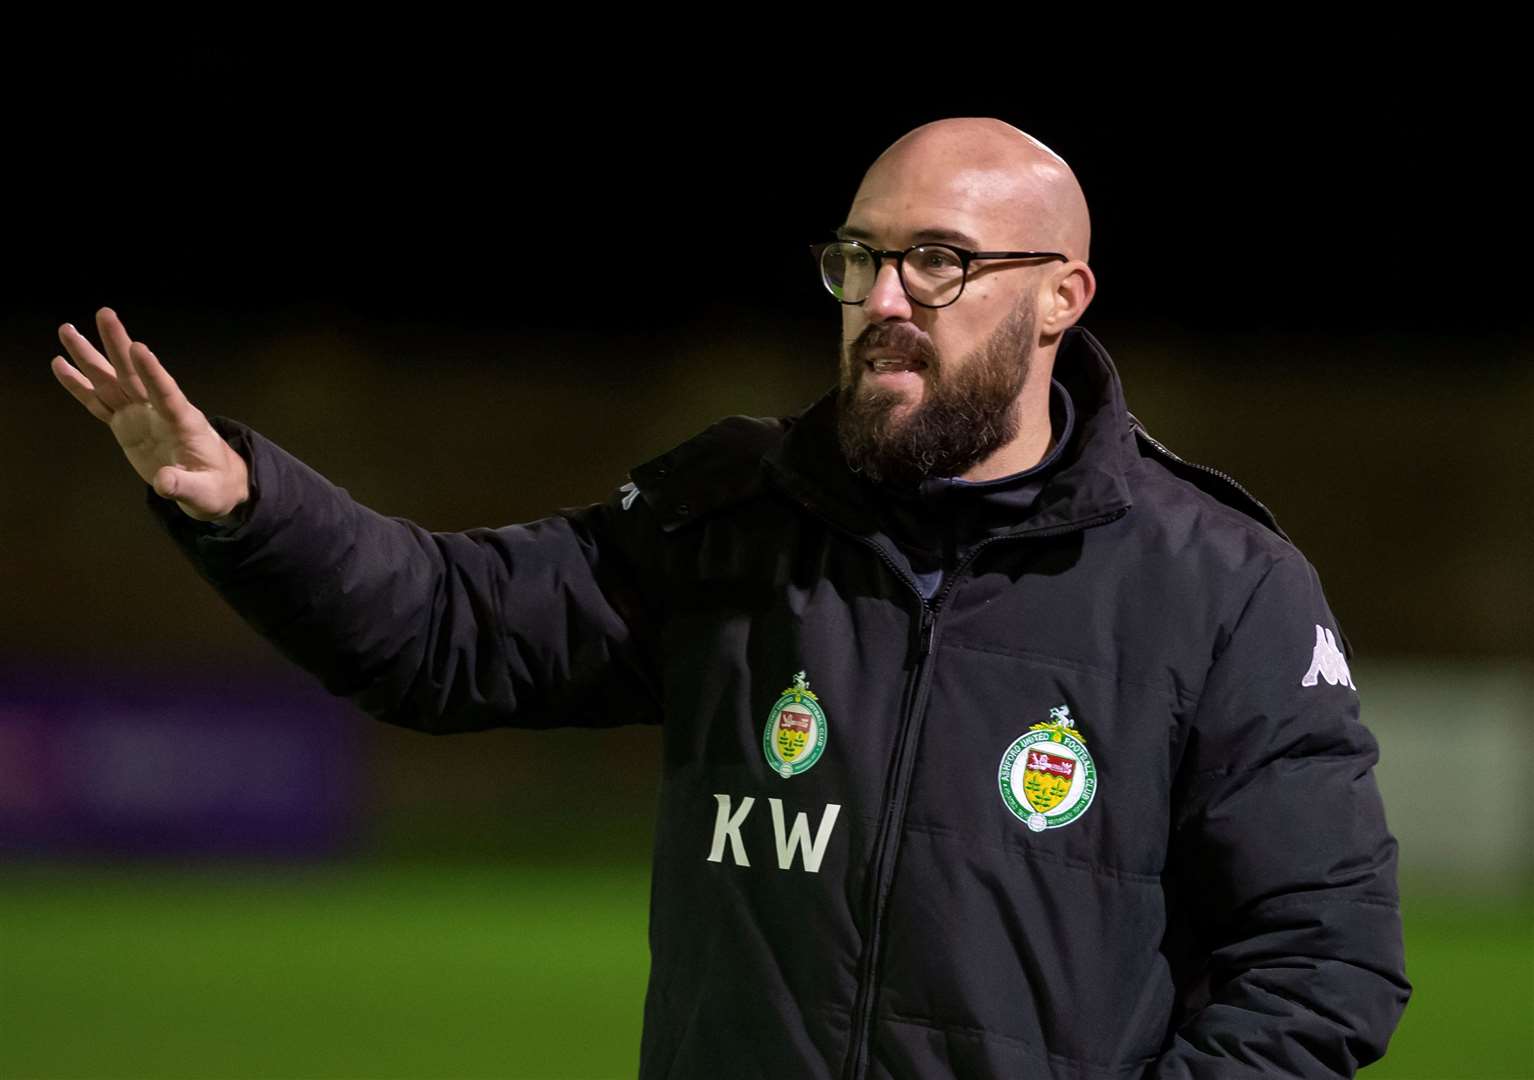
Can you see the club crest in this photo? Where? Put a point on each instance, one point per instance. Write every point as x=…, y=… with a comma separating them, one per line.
x=796, y=730
x=1047, y=776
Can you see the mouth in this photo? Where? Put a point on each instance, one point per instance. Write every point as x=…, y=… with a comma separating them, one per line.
x=882, y=365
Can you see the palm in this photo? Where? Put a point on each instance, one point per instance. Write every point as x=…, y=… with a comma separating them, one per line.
x=151, y=441
x=166, y=439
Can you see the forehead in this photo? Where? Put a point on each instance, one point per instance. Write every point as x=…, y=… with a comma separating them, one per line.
x=906, y=201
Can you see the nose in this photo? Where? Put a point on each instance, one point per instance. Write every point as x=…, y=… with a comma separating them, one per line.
x=887, y=300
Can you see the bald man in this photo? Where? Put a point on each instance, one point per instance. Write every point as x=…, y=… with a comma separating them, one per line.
x=962, y=389
x=998, y=740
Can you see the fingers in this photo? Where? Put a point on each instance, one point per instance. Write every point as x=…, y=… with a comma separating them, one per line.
x=163, y=391
x=115, y=338
x=134, y=375
x=80, y=389
x=101, y=375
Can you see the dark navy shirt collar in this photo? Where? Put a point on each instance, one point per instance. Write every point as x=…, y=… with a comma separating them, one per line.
x=936, y=525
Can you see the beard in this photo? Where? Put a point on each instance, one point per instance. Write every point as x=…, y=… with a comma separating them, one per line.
x=964, y=415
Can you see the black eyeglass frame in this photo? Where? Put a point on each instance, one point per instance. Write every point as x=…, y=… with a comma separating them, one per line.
x=965, y=257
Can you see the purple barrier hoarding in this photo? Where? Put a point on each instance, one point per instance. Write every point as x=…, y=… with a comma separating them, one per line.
x=110, y=764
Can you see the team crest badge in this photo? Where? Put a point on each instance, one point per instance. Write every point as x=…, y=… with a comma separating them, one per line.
x=1047, y=777
x=796, y=730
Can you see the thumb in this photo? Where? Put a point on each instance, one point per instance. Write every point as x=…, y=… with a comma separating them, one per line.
x=194, y=492
x=169, y=482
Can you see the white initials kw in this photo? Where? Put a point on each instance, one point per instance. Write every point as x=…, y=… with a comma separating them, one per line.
x=727, y=823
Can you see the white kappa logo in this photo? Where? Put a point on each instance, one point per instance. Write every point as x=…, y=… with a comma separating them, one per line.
x=1327, y=661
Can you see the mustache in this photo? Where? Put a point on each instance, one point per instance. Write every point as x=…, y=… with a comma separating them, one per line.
x=897, y=338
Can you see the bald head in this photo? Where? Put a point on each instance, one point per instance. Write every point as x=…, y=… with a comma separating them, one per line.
x=991, y=170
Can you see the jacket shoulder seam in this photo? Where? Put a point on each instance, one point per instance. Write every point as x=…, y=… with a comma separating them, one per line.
x=1214, y=484
x=1152, y=471
x=716, y=468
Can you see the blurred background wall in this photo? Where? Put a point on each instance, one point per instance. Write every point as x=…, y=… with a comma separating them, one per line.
x=470, y=312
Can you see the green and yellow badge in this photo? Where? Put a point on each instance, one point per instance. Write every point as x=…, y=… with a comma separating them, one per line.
x=796, y=730
x=1058, y=778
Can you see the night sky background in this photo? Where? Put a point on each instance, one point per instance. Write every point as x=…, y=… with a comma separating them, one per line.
x=436, y=189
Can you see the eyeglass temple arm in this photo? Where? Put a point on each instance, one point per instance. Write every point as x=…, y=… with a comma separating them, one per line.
x=1019, y=255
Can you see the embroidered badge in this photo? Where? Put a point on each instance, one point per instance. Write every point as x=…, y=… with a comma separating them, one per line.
x=1327, y=661
x=1057, y=778
x=796, y=730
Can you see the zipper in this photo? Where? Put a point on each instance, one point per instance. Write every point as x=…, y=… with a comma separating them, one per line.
x=892, y=823
x=1268, y=517
x=892, y=819
x=1156, y=444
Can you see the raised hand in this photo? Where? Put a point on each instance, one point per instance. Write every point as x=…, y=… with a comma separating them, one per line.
x=167, y=439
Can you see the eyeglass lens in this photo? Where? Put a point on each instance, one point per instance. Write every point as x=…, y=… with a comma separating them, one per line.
x=933, y=274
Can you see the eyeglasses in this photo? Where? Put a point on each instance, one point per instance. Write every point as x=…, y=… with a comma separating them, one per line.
x=934, y=278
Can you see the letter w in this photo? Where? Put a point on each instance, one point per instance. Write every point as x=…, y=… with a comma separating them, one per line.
x=799, y=837
x=727, y=827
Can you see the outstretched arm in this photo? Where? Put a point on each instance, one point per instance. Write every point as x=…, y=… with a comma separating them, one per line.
x=1281, y=852
x=529, y=625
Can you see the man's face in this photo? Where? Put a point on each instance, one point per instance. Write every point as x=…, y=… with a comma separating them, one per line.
x=964, y=410
x=934, y=391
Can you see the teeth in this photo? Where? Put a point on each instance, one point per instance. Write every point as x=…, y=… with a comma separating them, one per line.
x=891, y=363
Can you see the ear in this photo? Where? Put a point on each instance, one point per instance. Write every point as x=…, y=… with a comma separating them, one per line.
x=1070, y=289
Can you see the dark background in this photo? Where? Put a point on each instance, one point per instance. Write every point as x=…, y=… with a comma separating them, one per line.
x=471, y=289
x=475, y=277
x=441, y=190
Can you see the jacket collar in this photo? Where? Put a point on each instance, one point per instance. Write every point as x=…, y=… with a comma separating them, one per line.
x=1086, y=485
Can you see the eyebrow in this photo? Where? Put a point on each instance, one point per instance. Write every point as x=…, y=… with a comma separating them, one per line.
x=934, y=235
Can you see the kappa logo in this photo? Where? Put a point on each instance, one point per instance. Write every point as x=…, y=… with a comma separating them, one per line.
x=791, y=841
x=795, y=735
x=1058, y=778
x=1327, y=662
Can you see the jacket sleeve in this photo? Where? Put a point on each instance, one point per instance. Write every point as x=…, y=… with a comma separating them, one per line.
x=1281, y=852
x=531, y=625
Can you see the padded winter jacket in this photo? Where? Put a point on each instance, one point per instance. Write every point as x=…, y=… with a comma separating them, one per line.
x=1101, y=806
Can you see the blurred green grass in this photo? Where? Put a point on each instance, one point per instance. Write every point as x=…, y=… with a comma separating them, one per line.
x=466, y=971
x=389, y=972
x=1471, y=1015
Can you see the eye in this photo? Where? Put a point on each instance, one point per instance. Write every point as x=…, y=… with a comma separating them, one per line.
x=937, y=258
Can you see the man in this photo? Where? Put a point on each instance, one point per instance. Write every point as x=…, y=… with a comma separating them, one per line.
x=998, y=741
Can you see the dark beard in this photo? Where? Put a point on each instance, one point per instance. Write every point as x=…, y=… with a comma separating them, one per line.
x=964, y=415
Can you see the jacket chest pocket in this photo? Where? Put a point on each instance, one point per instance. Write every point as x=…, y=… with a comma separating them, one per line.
x=1036, y=757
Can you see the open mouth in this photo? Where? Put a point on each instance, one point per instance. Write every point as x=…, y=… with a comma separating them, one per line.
x=883, y=364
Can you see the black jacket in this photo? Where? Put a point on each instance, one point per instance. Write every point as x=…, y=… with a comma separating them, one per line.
x=1102, y=807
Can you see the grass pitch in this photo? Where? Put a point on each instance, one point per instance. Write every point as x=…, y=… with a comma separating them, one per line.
x=453, y=972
